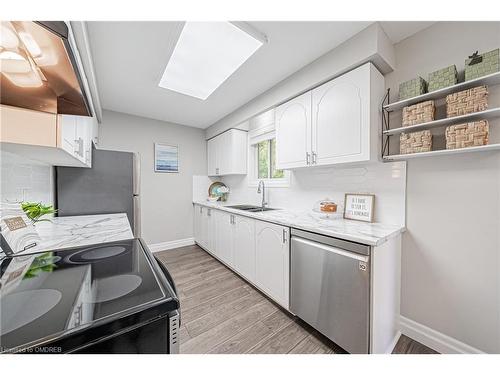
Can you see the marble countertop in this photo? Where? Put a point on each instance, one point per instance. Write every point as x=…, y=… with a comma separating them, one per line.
x=373, y=234
x=72, y=231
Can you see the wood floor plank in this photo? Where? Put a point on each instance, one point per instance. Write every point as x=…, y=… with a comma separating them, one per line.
x=223, y=313
x=215, y=304
x=311, y=345
x=245, y=340
x=406, y=345
x=210, y=293
x=183, y=334
x=207, y=307
x=282, y=341
x=214, y=283
x=220, y=333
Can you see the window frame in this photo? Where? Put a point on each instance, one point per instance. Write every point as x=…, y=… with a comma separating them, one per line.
x=254, y=138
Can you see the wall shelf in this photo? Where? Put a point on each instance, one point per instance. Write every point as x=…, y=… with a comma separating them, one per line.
x=482, y=115
x=491, y=147
x=491, y=79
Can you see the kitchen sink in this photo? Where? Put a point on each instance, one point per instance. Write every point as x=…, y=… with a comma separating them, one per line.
x=251, y=208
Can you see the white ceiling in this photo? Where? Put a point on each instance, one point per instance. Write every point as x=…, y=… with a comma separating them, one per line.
x=130, y=57
x=400, y=30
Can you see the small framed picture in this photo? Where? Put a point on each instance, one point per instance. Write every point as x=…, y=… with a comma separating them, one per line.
x=359, y=207
x=166, y=158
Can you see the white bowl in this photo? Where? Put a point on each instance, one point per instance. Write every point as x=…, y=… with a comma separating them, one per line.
x=212, y=199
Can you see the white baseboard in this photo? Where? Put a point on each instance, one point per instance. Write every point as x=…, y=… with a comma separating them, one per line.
x=155, y=247
x=433, y=339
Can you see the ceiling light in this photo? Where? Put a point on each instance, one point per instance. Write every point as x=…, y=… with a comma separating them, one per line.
x=31, y=45
x=13, y=62
x=31, y=79
x=206, y=54
x=8, y=38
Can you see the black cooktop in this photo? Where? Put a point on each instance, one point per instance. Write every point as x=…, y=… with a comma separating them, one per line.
x=56, y=295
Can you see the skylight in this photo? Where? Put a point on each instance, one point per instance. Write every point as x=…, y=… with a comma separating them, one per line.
x=206, y=54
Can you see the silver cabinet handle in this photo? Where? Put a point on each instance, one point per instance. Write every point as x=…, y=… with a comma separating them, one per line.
x=308, y=158
x=201, y=209
x=216, y=170
x=209, y=212
x=284, y=235
x=314, y=155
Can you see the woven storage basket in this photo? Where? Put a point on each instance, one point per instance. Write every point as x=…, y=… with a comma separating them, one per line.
x=488, y=63
x=410, y=143
x=418, y=113
x=467, y=101
x=412, y=88
x=442, y=78
x=467, y=135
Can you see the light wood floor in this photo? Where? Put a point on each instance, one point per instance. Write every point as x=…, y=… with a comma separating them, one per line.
x=222, y=313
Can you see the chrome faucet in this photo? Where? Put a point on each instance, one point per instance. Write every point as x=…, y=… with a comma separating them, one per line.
x=262, y=189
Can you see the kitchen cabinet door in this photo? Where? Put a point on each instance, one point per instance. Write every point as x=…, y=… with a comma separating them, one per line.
x=212, y=156
x=293, y=132
x=244, y=247
x=211, y=232
x=203, y=242
x=224, y=236
x=272, y=261
x=67, y=126
x=197, y=219
x=227, y=153
x=341, y=119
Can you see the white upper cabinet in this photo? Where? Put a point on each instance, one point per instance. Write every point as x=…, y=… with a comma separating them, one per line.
x=61, y=140
x=341, y=119
x=272, y=261
x=227, y=153
x=344, y=123
x=244, y=246
x=293, y=132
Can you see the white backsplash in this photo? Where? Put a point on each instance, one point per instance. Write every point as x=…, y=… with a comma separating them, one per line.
x=24, y=179
x=386, y=180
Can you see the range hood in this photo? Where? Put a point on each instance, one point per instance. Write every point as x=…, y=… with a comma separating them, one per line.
x=39, y=70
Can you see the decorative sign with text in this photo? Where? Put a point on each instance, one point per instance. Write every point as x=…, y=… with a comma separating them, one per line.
x=359, y=207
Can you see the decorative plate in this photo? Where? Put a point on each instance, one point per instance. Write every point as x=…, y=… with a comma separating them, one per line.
x=213, y=190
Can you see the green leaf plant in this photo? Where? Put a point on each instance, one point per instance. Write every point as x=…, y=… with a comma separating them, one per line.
x=35, y=210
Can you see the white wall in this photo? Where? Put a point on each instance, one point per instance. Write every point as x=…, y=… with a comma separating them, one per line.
x=166, y=208
x=451, y=250
x=24, y=179
x=309, y=185
x=371, y=44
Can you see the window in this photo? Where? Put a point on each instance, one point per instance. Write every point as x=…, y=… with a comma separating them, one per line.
x=262, y=162
x=266, y=160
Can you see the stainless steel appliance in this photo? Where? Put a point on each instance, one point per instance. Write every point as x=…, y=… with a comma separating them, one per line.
x=112, y=185
x=39, y=68
x=330, y=288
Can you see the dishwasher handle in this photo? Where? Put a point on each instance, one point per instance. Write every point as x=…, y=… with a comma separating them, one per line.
x=349, y=254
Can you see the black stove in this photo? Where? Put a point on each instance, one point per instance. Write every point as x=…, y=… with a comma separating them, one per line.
x=108, y=298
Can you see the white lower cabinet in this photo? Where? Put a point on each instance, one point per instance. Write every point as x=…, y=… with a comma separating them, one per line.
x=257, y=250
x=197, y=223
x=224, y=236
x=244, y=247
x=272, y=260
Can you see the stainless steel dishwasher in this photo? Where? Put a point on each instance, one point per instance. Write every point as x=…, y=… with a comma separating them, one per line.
x=330, y=288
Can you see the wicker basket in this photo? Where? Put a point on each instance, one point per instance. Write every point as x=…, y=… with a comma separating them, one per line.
x=412, y=88
x=467, y=101
x=481, y=65
x=467, y=135
x=442, y=78
x=410, y=143
x=418, y=113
